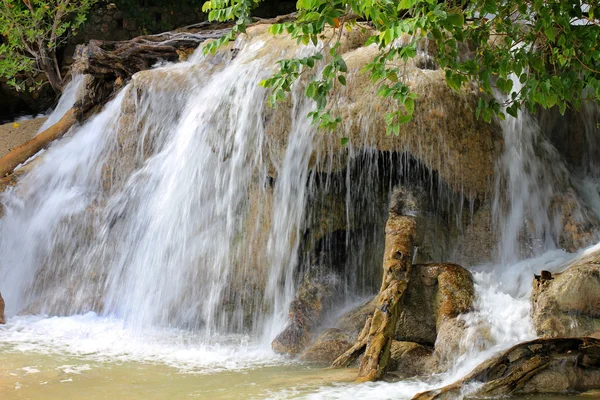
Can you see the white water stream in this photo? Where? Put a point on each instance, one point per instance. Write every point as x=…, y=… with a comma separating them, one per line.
x=154, y=255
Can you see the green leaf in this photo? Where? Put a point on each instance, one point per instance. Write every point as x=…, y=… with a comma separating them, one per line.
x=456, y=19
x=409, y=103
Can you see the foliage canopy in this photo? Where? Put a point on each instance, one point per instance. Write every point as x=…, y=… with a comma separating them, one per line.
x=31, y=32
x=530, y=53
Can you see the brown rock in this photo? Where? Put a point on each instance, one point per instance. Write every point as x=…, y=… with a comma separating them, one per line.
x=568, y=305
x=539, y=366
x=329, y=345
x=317, y=290
x=16, y=133
x=411, y=359
x=353, y=321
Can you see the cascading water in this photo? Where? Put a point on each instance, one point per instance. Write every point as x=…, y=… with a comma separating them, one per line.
x=170, y=227
x=71, y=93
x=173, y=243
x=528, y=173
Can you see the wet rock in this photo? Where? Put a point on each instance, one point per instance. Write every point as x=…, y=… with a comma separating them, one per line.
x=567, y=304
x=580, y=226
x=2, y=320
x=476, y=245
x=353, y=321
x=327, y=347
x=410, y=359
x=438, y=293
x=315, y=294
x=539, y=366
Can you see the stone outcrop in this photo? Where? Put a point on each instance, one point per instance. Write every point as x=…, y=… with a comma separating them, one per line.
x=410, y=359
x=436, y=295
x=538, y=366
x=353, y=321
x=315, y=295
x=416, y=303
x=567, y=304
x=327, y=347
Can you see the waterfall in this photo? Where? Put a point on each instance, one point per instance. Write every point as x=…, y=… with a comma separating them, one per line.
x=175, y=226
x=529, y=174
x=71, y=93
x=162, y=210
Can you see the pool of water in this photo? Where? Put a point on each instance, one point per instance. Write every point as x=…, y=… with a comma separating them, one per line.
x=93, y=357
x=30, y=375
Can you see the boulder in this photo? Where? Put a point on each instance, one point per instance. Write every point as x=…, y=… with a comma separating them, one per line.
x=438, y=293
x=353, y=321
x=567, y=304
x=327, y=347
x=410, y=359
x=538, y=366
x=314, y=296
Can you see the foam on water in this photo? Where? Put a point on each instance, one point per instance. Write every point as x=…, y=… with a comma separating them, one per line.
x=101, y=339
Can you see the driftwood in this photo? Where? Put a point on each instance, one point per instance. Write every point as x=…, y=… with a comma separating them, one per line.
x=400, y=236
x=121, y=59
x=22, y=153
x=112, y=63
x=112, y=60
x=540, y=366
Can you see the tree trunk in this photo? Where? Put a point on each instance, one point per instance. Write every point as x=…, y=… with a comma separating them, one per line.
x=400, y=236
x=49, y=65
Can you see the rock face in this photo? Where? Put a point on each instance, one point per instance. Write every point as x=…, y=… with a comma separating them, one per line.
x=314, y=296
x=539, y=366
x=411, y=359
x=427, y=319
x=437, y=293
x=2, y=320
x=327, y=347
x=568, y=304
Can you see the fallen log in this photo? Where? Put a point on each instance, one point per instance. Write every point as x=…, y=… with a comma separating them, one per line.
x=111, y=64
x=22, y=153
x=563, y=365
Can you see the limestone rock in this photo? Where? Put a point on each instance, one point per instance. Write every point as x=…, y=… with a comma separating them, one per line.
x=313, y=297
x=538, y=366
x=353, y=321
x=567, y=304
x=477, y=244
x=327, y=347
x=410, y=359
x=580, y=225
x=16, y=133
x=438, y=293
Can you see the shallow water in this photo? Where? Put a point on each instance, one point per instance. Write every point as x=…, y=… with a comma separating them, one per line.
x=92, y=357
x=30, y=375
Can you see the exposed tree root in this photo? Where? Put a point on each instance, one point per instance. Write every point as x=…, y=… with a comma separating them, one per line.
x=400, y=236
